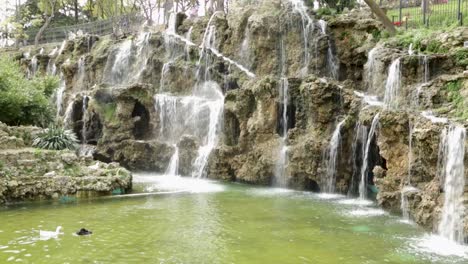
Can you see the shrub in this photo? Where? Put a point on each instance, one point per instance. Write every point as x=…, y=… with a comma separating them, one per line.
x=56, y=138
x=461, y=57
x=23, y=101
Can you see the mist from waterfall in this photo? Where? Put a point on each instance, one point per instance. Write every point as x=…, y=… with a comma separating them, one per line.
x=365, y=162
x=331, y=155
x=452, y=175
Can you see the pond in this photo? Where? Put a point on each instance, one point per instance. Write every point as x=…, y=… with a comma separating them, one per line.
x=180, y=220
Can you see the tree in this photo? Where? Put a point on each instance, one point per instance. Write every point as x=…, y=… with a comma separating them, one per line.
x=48, y=6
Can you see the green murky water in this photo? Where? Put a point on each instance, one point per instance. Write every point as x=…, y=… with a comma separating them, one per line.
x=211, y=223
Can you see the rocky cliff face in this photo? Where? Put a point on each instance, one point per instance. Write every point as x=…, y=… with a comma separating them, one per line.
x=119, y=89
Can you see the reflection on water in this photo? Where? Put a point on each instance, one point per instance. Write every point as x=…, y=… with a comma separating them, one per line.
x=209, y=222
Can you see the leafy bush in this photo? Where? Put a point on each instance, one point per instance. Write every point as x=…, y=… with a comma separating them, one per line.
x=56, y=138
x=461, y=57
x=23, y=101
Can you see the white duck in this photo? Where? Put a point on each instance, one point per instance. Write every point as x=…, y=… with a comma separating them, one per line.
x=46, y=235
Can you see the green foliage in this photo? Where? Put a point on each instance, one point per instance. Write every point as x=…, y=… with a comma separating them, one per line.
x=109, y=111
x=376, y=35
x=23, y=101
x=56, y=138
x=455, y=97
x=418, y=38
x=461, y=57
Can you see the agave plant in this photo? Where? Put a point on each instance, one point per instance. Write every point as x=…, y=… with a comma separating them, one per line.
x=56, y=138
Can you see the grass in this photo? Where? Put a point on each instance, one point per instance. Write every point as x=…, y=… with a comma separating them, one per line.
x=442, y=14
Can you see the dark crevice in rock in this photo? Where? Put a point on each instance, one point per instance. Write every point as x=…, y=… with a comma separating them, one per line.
x=231, y=129
x=141, y=118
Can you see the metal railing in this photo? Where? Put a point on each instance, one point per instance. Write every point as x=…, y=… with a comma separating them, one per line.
x=428, y=13
x=123, y=25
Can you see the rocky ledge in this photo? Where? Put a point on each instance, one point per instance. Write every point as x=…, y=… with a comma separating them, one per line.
x=27, y=173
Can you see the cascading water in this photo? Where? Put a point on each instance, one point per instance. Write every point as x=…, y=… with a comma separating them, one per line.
x=392, y=86
x=129, y=62
x=280, y=170
x=328, y=183
x=333, y=65
x=370, y=69
x=173, y=168
x=33, y=67
x=365, y=166
x=244, y=52
x=51, y=68
x=62, y=47
x=452, y=174
x=188, y=36
x=307, y=27
x=197, y=115
x=80, y=76
x=358, y=149
x=59, y=95
x=84, y=129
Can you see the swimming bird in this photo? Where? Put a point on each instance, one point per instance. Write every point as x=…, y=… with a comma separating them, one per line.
x=46, y=235
x=84, y=232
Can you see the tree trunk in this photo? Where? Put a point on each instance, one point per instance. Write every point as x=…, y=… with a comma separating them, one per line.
x=42, y=29
x=75, y=5
x=381, y=16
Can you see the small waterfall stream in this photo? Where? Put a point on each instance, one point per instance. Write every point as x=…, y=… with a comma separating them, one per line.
x=331, y=156
x=358, y=149
x=32, y=67
x=452, y=175
x=59, y=95
x=307, y=27
x=333, y=65
x=365, y=166
x=392, y=85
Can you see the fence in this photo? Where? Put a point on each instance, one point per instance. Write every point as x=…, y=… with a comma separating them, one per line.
x=122, y=24
x=429, y=13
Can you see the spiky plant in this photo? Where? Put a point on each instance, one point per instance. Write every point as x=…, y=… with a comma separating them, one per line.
x=55, y=138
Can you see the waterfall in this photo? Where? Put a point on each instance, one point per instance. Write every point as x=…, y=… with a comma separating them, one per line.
x=392, y=86
x=452, y=174
x=129, y=62
x=244, y=52
x=62, y=47
x=410, y=151
x=41, y=51
x=328, y=184
x=53, y=52
x=212, y=91
x=188, y=36
x=85, y=119
x=81, y=73
x=365, y=166
x=370, y=69
x=280, y=168
x=33, y=67
x=51, y=68
x=59, y=95
x=426, y=73
x=307, y=27
x=404, y=201
x=173, y=168
x=332, y=61
x=358, y=149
